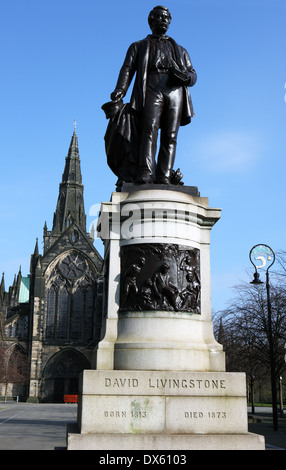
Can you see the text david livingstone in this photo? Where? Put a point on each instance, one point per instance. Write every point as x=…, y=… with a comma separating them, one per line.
x=166, y=383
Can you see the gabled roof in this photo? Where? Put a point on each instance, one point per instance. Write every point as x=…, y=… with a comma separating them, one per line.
x=74, y=237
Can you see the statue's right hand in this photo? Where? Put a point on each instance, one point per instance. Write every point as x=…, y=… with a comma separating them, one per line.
x=117, y=94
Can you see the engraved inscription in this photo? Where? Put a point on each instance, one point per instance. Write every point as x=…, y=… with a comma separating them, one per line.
x=120, y=382
x=115, y=414
x=138, y=414
x=209, y=414
x=217, y=414
x=125, y=414
x=184, y=383
x=156, y=383
x=164, y=383
x=194, y=414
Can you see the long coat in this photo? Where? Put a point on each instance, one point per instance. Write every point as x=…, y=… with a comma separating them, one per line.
x=136, y=61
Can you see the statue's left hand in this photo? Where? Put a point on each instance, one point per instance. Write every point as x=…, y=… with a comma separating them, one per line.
x=117, y=94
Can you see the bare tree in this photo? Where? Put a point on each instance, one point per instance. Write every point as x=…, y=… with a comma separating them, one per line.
x=247, y=334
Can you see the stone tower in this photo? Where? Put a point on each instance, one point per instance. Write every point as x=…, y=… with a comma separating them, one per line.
x=65, y=293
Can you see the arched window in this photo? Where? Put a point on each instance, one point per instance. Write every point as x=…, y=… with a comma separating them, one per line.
x=76, y=313
x=51, y=313
x=69, y=220
x=63, y=313
x=71, y=294
x=88, y=314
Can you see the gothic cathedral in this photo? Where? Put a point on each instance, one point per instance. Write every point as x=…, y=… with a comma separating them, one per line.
x=50, y=321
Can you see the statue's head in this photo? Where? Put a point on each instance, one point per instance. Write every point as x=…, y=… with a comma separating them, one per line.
x=159, y=19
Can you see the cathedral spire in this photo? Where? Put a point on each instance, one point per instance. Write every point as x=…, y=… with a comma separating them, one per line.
x=70, y=205
x=2, y=285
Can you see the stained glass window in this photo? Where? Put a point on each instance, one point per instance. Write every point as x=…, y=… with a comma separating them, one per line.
x=71, y=292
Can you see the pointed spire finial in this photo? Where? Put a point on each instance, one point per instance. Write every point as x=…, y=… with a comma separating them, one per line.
x=70, y=200
x=36, y=250
x=74, y=125
x=92, y=232
x=2, y=285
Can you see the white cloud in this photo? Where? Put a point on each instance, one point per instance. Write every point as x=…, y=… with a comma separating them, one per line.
x=228, y=152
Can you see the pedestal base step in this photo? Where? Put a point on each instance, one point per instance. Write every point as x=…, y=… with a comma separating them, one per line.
x=185, y=442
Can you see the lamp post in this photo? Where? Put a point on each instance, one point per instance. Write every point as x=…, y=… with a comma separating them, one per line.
x=262, y=256
x=281, y=396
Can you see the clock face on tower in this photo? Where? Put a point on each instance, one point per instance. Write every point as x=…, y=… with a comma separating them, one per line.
x=73, y=266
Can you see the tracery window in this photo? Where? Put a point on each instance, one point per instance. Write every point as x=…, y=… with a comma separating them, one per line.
x=63, y=313
x=71, y=295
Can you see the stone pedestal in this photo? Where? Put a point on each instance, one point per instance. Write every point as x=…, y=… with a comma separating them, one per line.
x=160, y=381
x=143, y=410
x=161, y=226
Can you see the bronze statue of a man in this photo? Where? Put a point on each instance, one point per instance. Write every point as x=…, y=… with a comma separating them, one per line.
x=160, y=96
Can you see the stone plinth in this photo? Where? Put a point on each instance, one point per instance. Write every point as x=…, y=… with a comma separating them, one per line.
x=183, y=442
x=163, y=410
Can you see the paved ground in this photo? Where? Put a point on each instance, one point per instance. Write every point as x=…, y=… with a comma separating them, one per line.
x=27, y=426
x=262, y=423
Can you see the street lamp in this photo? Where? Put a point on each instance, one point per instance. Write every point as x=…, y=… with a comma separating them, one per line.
x=264, y=255
x=281, y=396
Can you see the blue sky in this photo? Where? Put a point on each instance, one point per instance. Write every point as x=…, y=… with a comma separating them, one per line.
x=60, y=61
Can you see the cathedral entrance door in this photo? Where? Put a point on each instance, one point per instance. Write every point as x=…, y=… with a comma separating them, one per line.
x=61, y=375
x=59, y=389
